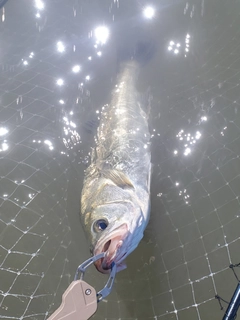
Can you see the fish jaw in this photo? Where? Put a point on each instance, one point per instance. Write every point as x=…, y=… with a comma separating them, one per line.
x=113, y=246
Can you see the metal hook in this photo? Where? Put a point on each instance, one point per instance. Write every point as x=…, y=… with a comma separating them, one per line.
x=82, y=268
x=108, y=286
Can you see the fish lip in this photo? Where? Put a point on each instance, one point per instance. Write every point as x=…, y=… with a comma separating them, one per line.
x=117, y=235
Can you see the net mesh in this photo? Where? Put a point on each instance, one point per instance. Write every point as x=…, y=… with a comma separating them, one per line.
x=193, y=234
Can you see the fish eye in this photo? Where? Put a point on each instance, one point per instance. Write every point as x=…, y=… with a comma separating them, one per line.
x=100, y=225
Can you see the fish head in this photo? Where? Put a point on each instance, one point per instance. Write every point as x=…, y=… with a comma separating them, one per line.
x=116, y=229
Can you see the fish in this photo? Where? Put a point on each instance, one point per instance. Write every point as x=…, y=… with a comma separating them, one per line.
x=115, y=199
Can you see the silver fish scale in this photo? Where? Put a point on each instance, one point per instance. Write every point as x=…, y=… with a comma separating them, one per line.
x=123, y=137
x=117, y=183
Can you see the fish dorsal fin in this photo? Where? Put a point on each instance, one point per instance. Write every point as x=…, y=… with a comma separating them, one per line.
x=118, y=177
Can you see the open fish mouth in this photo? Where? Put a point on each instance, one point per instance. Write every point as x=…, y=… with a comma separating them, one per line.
x=112, y=246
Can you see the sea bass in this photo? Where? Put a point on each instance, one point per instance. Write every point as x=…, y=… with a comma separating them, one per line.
x=115, y=202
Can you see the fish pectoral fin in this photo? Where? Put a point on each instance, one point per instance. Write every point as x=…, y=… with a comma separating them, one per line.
x=118, y=177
